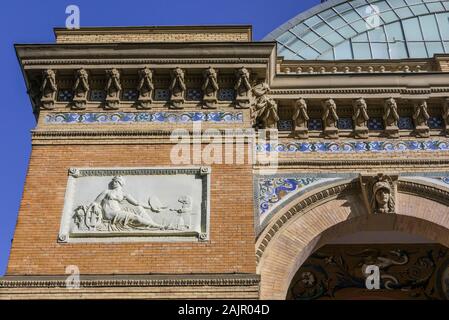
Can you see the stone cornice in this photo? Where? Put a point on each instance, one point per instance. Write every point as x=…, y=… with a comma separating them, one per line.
x=132, y=281
x=145, y=53
x=109, y=62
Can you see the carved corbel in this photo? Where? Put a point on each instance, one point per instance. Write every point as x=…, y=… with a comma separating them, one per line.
x=360, y=118
x=300, y=120
x=379, y=192
x=391, y=118
x=330, y=119
x=48, y=90
x=264, y=112
x=145, y=89
x=113, y=89
x=177, y=89
x=243, y=89
x=420, y=117
x=210, y=88
x=80, y=89
x=446, y=116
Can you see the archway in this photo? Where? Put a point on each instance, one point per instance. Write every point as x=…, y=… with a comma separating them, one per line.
x=332, y=211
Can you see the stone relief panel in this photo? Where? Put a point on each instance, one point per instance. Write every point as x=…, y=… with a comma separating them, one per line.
x=136, y=204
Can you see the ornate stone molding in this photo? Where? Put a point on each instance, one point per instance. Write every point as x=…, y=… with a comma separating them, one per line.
x=361, y=162
x=430, y=192
x=132, y=281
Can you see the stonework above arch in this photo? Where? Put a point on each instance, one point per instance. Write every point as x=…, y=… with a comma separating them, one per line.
x=336, y=211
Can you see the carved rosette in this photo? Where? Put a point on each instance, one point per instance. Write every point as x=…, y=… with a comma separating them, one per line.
x=80, y=89
x=48, y=90
x=446, y=116
x=360, y=118
x=330, y=119
x=243, y=89
x=113, y=89
x=300, y=120
x=210, y=88
x=420, y=117
x=391, y=118
x=379, y=192
x=145, y=88
x=264, y=112
x=177, y=89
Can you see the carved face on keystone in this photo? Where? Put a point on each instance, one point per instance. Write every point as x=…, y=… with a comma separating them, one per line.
x=383, y=196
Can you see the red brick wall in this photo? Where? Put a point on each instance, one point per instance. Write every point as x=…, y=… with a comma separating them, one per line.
x=36, y=251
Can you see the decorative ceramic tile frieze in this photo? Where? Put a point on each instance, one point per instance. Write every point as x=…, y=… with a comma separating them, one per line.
x=136, y=204
x=273, y=192
x=139, y=117
x=356, y=146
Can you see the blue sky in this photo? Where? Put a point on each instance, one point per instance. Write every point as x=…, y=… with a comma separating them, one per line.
x=33, y=22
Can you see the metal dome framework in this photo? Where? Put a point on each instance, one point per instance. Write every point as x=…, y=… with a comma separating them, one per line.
x=364, y=29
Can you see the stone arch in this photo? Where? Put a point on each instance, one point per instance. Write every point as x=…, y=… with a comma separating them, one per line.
x=332, y=211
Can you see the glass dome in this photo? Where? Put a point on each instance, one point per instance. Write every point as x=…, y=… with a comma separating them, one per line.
x=366, y=29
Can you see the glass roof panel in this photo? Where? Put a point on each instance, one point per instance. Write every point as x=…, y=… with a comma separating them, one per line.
x=360, y=29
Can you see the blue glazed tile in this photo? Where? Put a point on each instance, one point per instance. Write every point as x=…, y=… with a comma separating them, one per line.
x=285, y=125
x=97, y=95
x=375, y=124
x=315, y=124
x=435, y=122
x=161, y=94
x=273, y=190
x=194, y=94
x=405, y=123
x=226, y=94
x=344, y=123
x=130, y=95
x=65, y=95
